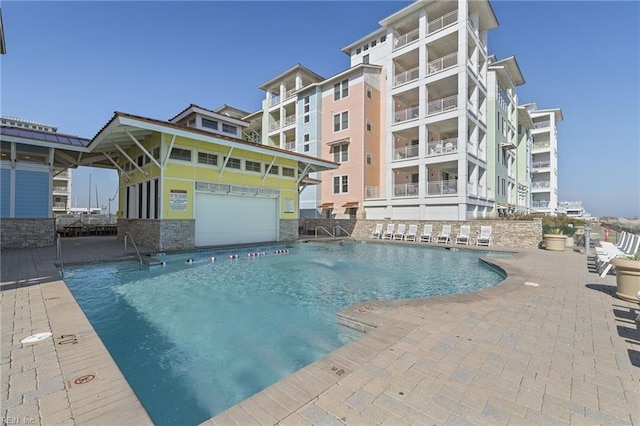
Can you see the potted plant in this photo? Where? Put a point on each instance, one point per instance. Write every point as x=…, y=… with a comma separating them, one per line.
x=554, y=239
x=627, y=277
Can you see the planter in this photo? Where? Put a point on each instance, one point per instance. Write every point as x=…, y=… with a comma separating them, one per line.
x=570, y=242
x=555, y=242
x=627, y=279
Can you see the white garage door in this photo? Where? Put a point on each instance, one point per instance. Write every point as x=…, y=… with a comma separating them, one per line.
x=232, y=219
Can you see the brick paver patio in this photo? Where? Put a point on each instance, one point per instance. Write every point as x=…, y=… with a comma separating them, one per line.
x=565, y=351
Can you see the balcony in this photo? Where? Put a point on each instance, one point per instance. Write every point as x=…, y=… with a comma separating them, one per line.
x=472, y=189
x=274, y=125
x=441, y=147
x=289, y=120
x=442, y=22
x=443, y=63
x=406, y=114
x=59, y=205
x=372, y=192
x=405, y=152
x=275, y=100
x=541, y=164
x=290, y=146
x=63, y=175
x=541, y=184
x=406, y=76
x=289, y=94
x=540, y=204
x=442, y=105
x=406, y=190
x=442, y=187
x=405, y=39
x=542, y=124
x=541, y=145
x=57, y=188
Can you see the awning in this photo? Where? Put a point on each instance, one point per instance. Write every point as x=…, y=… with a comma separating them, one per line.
x=311, y=181
x=351, y=204
x=326, y=206
x=339, y=141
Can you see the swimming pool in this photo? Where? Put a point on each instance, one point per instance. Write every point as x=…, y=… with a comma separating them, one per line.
x=195, y=338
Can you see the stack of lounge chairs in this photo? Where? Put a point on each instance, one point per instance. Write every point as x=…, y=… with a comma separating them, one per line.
x=627, y=247
x=401, y=233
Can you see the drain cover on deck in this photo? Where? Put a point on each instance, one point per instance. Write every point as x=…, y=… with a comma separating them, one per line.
x=67, y=339
x=34, y=338
x=82, y=380
x=338, y=370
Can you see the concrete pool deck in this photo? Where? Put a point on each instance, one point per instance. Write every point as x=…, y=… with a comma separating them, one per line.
x=563, y=352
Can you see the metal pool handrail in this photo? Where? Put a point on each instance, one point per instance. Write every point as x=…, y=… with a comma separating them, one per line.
x=59, y=253
x=340, y=227
x=324, y=229
x=126, y=235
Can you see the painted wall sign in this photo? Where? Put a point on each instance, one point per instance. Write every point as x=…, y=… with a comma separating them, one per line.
x=288, y=205
x=178, y=199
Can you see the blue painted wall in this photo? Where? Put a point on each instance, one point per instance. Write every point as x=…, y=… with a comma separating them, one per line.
x=32, y=194
x=5, y=192
x=310, y=197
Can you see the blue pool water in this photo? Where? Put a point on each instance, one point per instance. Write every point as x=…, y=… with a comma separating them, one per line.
x=195, y=339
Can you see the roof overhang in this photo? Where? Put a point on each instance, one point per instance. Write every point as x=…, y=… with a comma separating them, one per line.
x=291, y=71
x=351, y=204
x=208, y=113
x=511, y=67
x=339, y=141
x=524, y=118
x=374, y=34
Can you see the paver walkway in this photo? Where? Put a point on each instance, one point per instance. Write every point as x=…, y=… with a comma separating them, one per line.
x=563, y=352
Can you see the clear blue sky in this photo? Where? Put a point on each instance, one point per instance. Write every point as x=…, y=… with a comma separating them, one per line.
x=72, y=64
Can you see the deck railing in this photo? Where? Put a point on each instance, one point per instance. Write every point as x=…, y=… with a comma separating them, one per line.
x=406, y=76
x=441, y=105
x=443, y=63
x=444, y=146
x=407, y=38
x=405, y=152
x=442, y=187
x=406, y=190
x=442, y=22
x=406, y=114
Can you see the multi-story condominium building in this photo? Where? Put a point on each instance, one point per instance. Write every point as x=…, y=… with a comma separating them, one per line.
x=61, y=188
x=523, y=160
x=291, y=120
x=503, y=77
x=573, y=209
x=544, y=161
x=434, y=100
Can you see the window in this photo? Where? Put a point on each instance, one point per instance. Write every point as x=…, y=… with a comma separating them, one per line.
x=274, y=170
x=228, y=128
x=252, y=166
x=305, y=147
x=369, y=93
x=210, y=124
x=341, y=90
x=374, y=42
x=366, y=47
x=340, y=153
x=368, y=125
x=205, y=158
x=306, y=104
x=365, y=59
x=233, y=163
x=358, y=51
x=180, y=154
x=306, y=119
x=368, y=156
x=306, y=137
x=341, y=121
x=383, y=38
x=289, y=172
x=192, y=123
x=140, y=160
x=156, y=153
x=340, y=184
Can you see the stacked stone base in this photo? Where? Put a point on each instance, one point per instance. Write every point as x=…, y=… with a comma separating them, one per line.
x=26, y=233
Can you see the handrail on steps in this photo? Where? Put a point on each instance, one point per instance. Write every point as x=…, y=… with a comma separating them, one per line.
x=340, y=227
x=59, y=253
x=324, y=229
x=128, y=234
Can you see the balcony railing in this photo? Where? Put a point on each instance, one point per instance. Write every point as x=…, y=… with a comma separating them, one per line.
x=443, y=63
x=541, y=184
x=540, y=164
x=406, y=114
x=406, y=76
x=289, y=94
x=442, y=187
x=406, y=190
x=59, y=205
x=371, y=192
x=540, y=204
x=275, y=100
x=482, y=191
x=541, y=124
x=441, y=105
x=444, y=146
x=471, y=189
x=290, y=146
x=60, y=188
x=442, y=22
x=291, y=119
x=407, y=38
x=541, y=145
x=405, y=152
x=275, y=125
x=62, y=175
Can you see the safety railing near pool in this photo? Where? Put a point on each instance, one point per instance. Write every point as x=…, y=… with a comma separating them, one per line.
x=324, y=229
x=341, y=228
x=59, y=254
x=126, y=236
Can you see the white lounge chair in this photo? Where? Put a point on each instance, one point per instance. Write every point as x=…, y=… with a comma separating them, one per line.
x=377, y=232
x=464, y=236
x=445, y=235
x=412, y=233
x=485, y=238
x=399, y=234
x=603, y=261
x=427, y=232
x=388, y=234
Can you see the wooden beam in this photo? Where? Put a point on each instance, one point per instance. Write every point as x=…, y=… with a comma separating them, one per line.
x=116, y=164
x=131, y=160
x=226, y=160
x=143, y=149
x=166, y=158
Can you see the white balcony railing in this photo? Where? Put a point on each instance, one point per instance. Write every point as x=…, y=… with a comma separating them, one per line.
x=472, y=189
x=541, y=145
x=541, y=124
x=59, y=205
x=541, y=184
x=482, y=191
x=60, y=188
x=406, y=114
x=540, y=164
x=406, y=76
x=441, y=105
x=405, y=152
x=442, y=187
x=444, y=146
x=407, y=38
x=275, y=125
x=289, y=94
x=443, y=63
x=371, y=192
x=290, y=146
x=291, y=119
x=406, y=190
x=275, y=100
x=540, y=204
x=442, y=22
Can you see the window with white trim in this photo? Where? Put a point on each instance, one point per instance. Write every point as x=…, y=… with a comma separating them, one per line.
x=228, y=128
x=206, y=158
x=274, y=170
x=340, y=184
x=209, y=124
x=180, y=154
x=341, y=90
x=234, y=163
x=340, y=153
x=252, y=166
x=341, y=121
x=288, y=172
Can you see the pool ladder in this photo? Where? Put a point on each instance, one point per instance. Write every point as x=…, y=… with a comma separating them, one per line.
x=329, y=233
x=128, y=235
x=59, y=254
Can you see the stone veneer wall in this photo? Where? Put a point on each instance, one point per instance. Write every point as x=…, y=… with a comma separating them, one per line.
x=506, y=233
x=26, y=232
x=160, y=234
x=288, y=230
x=308, y=226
